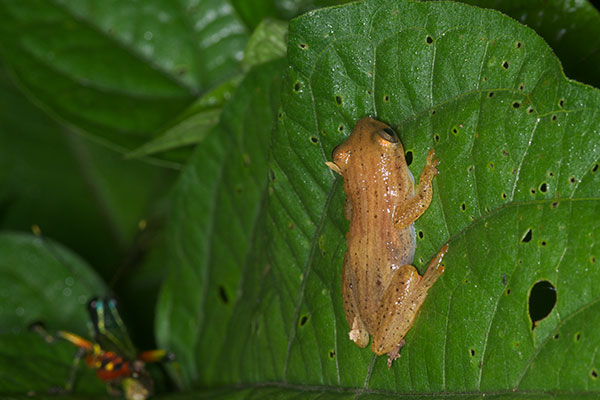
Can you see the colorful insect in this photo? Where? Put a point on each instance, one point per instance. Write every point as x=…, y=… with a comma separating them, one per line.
x=111, y=353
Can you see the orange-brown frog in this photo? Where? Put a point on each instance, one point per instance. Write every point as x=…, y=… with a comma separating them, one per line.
x=382, y=292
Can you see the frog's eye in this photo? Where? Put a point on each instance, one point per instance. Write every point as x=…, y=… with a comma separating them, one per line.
x=388, y=134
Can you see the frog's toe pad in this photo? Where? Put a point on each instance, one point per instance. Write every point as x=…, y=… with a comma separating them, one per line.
x=359, y=336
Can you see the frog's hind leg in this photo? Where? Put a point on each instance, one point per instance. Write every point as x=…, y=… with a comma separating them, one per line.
x=358, y=331
x=400, y=304
x=395, y=313
x=404, y=216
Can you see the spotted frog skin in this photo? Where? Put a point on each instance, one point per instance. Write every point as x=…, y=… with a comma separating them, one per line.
x=382, y=292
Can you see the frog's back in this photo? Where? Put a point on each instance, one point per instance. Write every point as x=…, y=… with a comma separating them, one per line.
x=377, y=182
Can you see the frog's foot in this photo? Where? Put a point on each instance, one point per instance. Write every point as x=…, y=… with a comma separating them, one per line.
x=358, y=334
x=434, y=270
x=409, y=212
x=395, y=353
x=431, y=162
x=334, y=167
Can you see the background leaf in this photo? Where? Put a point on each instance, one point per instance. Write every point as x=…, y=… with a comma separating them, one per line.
x=43, y=281
x=223, y=186
x=29, y=366
x=571, y=28
x=116, y=70
x=516, y=141
x=79, y=193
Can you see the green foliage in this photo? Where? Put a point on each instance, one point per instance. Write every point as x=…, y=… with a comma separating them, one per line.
x=249, y=259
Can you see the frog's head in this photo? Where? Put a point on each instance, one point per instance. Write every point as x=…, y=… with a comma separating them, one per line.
x=369, y=137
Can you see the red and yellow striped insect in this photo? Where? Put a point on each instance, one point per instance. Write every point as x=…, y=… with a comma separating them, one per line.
x=112, y=354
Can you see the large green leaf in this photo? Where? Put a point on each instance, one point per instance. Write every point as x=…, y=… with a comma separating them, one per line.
x=516, y=199
x=118, y=69
x=216, y=206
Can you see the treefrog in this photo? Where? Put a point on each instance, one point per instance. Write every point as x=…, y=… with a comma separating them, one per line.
x=381, y=291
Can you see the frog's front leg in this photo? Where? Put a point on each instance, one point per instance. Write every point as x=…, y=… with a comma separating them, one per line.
x=407, y=214
x=358, y=331
x=400, y=304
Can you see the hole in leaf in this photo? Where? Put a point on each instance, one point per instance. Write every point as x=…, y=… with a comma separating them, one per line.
x=491, y=165
x=432, y=112
x=556, y=336
x=297, y=87
x=491, y=94
x=386, y=98
x=223, y=295
x=542, y=299
x=303, y=46
x=593, y=260
x=505, y=65
x=369, y=92
x=421, y=235
x=516, y=104
x=527, y=237
x=408, y=156
x=341, y=128
x=577, y=337
x=463, y=207
x=507, y=291
x=472, y=353
x=561, y=103
x=338, y=100
x=331, y=354
x=504, y=153
x=518, y=45
x=504, y=195
x=533, y=191
x=543, y=187
x=543, y=243
x=303, y=320
x=551, y=174
x=595, y=168
x=436, y=137
x=314, y=140
x=554, y=204
x=594, y=374
x=554, y=117
x=429, y=39
x=572, y=179
x=455, y=131
x=530, y=110
x=522, y=86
